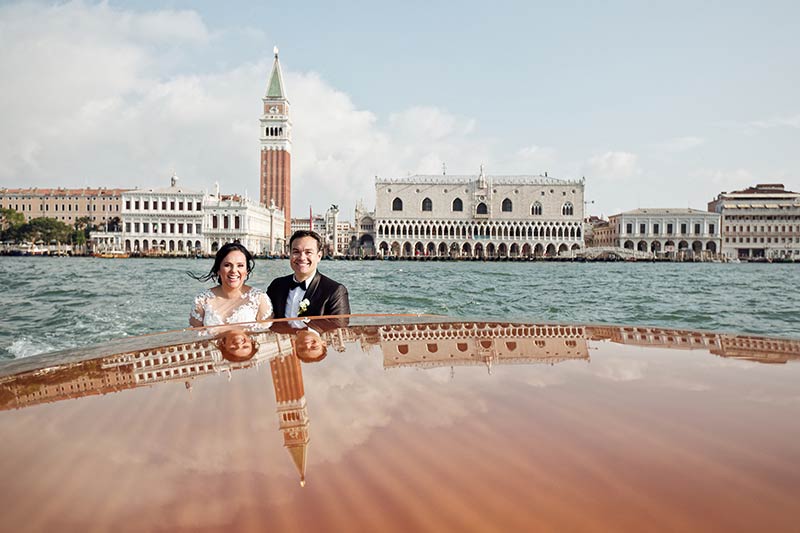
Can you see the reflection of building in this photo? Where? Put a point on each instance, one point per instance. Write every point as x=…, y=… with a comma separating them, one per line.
x=673, y=339
x=760, y=221
x=290, y=397
x=479, y=343
x=758, y=349
x=276, y=146
x=664, y=232
x=62, y=383
x=174, y=362
x=478, y=216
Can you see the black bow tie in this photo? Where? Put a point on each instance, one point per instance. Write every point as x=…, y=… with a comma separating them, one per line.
x=294, y=284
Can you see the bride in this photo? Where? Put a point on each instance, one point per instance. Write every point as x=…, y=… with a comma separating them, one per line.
x=231, y=301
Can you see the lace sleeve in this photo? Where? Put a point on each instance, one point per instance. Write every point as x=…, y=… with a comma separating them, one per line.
x=198, y=313
x=264, y=307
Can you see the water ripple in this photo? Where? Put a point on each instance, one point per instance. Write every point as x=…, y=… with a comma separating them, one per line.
x=80, y=301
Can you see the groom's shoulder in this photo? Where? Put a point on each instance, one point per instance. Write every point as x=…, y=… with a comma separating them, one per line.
x=279, y=281
x=326, y=281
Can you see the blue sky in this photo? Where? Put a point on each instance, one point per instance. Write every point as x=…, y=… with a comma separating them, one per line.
x=656, y=104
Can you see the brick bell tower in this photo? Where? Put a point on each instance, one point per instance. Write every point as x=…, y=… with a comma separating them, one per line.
x=276, y=146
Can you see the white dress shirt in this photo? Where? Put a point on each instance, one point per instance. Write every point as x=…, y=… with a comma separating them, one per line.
x=296, y=296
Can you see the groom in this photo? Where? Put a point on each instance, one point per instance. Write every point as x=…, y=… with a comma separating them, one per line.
x=307, y=292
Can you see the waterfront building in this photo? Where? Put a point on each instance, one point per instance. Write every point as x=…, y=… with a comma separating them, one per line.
x=362, y=243
x=344, y=237
x=335, y=234
x=478, y=216
x=276, y=146
x=759, y=222
x=166, y=220
x=596, y=232
x=99, y=205
x=315, y=222
x=177, y=221
x=229, y=218
x=672, y=233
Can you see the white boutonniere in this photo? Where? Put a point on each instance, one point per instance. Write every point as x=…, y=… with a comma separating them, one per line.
x=304, y=303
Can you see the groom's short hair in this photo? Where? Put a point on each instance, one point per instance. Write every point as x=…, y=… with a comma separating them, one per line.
x=299, y=234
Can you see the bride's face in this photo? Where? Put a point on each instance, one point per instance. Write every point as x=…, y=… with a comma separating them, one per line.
x=233, y=270
x=237, y=343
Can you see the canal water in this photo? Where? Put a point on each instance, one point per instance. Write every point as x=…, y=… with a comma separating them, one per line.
x=52, y=303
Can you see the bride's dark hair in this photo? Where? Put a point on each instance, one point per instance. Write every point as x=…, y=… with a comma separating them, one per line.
x=227, y=248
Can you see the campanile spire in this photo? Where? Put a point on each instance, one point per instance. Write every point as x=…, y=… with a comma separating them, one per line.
x=276, y=145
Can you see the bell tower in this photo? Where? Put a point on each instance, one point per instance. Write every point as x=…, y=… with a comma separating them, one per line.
x=276, y=146
x=290, y=396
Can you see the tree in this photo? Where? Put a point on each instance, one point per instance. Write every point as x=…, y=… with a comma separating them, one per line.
x=115, y=224
x=9, y=221
x=83, y=227
x=45, y=230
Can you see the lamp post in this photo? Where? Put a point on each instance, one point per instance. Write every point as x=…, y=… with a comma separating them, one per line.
x=272, y=208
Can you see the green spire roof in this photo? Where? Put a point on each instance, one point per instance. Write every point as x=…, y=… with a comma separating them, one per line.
x=275, y=87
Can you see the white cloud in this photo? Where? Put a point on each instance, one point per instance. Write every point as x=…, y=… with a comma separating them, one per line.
x=537, y=158
x=613, y=166
x=681, y=144
x=726, y=180
x=92, y=98
x=791, y=121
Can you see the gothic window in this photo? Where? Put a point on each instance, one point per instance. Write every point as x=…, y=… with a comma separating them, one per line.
x=482, y=209
x=458, y=205
x=507, y=205
x=397, y=204
x=427, y=205
x=536, y=209
x=567, y=209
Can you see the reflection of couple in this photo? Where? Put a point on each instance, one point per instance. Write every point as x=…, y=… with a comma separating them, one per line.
x=305, y=293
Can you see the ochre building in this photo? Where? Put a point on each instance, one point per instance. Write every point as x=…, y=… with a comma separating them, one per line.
x=67, y=205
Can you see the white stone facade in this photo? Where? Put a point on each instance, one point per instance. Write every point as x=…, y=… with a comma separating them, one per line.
x=673, y=233
x=230, y=218
x=478, y=216
x=363, y=242
x=160, y=221
x=759, y=222
x=177, y=221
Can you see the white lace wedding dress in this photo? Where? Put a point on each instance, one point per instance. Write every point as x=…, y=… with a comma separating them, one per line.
x=212, y=310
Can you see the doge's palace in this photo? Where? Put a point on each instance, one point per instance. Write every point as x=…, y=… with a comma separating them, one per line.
x=478, y=216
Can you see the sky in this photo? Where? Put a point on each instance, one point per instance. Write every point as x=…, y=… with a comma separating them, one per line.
x=656, y=104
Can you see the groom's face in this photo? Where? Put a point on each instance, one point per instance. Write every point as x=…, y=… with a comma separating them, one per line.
x=305, y=257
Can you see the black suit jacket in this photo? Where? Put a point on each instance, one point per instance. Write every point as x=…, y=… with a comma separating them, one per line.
x=320, y=325
x=325, y=296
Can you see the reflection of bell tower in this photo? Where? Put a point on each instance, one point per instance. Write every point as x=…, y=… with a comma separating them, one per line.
x=276, y=146
x=287, y=378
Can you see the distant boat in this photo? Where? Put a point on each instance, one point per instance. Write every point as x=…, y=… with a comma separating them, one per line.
x=112, y=254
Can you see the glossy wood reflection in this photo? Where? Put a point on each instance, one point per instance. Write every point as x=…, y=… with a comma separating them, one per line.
x=437, y=426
